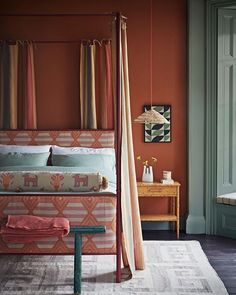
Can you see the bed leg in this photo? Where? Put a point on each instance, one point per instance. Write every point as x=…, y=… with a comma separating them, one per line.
x=118, y=267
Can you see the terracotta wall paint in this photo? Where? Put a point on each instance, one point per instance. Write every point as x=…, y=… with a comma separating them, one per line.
x=58, y=65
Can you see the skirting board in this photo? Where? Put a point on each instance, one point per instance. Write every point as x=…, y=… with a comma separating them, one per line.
x=195, y=225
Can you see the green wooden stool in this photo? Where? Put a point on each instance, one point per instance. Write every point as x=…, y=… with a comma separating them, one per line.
x=79, y=231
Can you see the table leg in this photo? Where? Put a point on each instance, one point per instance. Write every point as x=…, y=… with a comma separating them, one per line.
x=77, y=263
x=177, y=213
x=173, y=211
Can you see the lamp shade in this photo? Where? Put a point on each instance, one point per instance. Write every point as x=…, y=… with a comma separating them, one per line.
x=151, y=116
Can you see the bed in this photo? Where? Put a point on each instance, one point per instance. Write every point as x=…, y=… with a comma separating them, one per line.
x=84, y=208
x=96, y=207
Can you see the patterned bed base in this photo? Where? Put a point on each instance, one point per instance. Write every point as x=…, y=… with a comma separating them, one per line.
x=80, y=210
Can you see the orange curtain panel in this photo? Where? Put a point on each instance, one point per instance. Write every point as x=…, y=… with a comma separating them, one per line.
x=96, y=97
x=17, y=86
x=30, y=115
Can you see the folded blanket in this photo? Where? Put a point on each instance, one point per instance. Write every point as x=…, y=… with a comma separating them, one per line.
x=28, y=228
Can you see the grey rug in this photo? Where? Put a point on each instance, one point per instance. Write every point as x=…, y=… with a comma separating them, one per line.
x=172, y=267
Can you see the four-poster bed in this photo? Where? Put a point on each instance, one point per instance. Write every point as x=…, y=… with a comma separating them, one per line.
x=87, y=205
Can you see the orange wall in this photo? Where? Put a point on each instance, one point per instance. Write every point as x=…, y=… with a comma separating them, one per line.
x=57, y=68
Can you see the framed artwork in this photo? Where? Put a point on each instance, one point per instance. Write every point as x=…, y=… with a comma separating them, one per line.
x=158, y=132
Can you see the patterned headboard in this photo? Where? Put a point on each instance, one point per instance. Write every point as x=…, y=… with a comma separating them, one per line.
x=86, y=138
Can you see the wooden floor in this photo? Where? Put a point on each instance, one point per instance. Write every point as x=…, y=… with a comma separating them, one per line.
x=221, y=253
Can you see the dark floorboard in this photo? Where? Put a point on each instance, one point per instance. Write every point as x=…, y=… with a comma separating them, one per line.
x=220, y=251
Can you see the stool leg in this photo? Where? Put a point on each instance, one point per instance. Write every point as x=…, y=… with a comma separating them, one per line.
x=77, y=263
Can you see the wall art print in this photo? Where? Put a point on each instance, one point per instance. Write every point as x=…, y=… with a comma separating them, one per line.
x=158, y=132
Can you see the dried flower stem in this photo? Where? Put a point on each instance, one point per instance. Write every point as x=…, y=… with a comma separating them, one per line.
x=145, y=162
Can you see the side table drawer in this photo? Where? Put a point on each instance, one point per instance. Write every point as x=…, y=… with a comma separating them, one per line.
x=154, y=190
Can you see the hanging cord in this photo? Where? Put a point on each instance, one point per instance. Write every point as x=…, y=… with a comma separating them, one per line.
x=123, y=24
x=85, y=41
x=151, y=51
x=106, y=41
x=103, y=41
x=94, y=41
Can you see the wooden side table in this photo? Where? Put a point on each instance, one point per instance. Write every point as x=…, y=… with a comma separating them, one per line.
x=159, y=190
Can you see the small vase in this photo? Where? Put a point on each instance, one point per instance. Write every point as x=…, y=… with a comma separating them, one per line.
x=147, y=174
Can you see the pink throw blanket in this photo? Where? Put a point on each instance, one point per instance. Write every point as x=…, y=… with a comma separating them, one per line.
x=28, y=228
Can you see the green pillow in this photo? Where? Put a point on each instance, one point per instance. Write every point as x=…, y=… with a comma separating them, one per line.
x=24, y=159
x=103, y=163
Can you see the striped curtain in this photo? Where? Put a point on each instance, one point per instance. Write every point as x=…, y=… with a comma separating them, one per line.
x=17, y=86
x=97, y=111
x=132, y=241
x=96, y=97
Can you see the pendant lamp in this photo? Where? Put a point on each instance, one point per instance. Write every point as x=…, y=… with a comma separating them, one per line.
x=151, y=116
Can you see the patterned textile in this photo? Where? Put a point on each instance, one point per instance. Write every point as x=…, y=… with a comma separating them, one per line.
x=31, y=181
x=172, y=268
x=228, y=199
x=80, y=210
x=91, y=138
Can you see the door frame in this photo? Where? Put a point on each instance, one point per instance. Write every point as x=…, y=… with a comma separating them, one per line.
x=211, y=109
x=202, y=93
